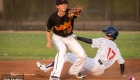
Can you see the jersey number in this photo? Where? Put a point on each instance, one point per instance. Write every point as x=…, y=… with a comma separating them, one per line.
x=111, y=54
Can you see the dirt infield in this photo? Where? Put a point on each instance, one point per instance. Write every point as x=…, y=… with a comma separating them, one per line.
x=29, y=67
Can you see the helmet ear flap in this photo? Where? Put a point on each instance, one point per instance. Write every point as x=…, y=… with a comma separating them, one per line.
x=107, y=34
x=111, y=32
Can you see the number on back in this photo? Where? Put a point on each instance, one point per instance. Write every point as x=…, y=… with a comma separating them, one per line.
x=111, y=54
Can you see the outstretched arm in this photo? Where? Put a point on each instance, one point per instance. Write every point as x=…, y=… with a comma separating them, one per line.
x=122, y=67
x=86, y=40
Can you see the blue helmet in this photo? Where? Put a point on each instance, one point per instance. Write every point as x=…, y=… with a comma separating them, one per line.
x=111, y=31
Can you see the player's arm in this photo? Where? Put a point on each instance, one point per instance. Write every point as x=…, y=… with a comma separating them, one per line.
x=122, y=67
x=86, y=40
x=49, y=42
x=48, y=33
x=121, y=61
x=48, y=36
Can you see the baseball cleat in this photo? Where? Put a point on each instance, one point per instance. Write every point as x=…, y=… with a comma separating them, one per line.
x=54, y=78
x=43, y=67
x=79, y=76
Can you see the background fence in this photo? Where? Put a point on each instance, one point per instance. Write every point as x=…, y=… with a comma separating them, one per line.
x=31, y=15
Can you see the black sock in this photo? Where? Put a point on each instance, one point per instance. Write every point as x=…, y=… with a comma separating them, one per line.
x=51, y=65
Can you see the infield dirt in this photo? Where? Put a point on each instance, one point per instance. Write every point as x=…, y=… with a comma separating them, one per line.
x=132, y=68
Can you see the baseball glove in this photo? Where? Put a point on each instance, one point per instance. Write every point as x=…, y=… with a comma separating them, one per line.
x=74, y=11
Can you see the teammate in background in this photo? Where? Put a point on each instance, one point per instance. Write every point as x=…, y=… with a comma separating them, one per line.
x=62, y=26
x=106, y=55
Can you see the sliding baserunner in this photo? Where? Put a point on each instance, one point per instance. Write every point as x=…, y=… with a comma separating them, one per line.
x=106, y=55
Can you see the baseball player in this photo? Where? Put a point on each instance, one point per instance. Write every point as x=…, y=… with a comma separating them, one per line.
x=61, y=23
x=106, y=55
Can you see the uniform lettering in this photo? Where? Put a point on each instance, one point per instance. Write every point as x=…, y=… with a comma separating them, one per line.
x=110, y=54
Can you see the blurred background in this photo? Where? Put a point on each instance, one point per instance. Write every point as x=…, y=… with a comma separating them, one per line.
x=32, y=15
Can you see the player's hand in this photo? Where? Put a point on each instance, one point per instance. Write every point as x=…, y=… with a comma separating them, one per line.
x=49, y=44
x=123, y=75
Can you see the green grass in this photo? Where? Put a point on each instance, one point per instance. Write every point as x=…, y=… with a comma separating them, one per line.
x=32, y=45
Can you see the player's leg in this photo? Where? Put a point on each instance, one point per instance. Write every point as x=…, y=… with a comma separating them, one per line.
x=59, y=58
x=69, y=57
x=89, y=63
x=98, y=69
x=44, y=67
x=80, y=54
x=90, y=66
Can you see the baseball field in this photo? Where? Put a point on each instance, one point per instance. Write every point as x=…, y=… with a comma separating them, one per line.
x=20, y=50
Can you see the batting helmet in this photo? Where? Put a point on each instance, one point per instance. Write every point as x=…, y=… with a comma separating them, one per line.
x=111, y=31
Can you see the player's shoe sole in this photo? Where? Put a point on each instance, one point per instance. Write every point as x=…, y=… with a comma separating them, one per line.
x=43, y=67
x=54, y=78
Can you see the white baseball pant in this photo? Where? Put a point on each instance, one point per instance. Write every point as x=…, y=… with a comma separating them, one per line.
x=62, y=43
x=91, y=66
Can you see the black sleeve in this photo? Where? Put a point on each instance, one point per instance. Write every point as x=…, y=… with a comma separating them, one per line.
x=86, y=40
x=50, y=22
x=49, y=25
x=122, y=67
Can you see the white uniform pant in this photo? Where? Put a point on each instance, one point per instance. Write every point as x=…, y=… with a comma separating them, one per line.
x=91, y=66
x=62, y=43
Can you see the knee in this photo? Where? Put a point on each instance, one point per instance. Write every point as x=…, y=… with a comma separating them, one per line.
x=83, y=56
x=99, y=73
x=62, y=52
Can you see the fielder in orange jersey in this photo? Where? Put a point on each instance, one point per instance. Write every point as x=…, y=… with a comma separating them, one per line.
x=61, y=23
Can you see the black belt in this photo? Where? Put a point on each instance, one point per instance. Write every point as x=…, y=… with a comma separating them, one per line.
x=100, y=62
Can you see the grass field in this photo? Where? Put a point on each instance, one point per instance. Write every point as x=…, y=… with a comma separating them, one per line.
x=32, y=45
